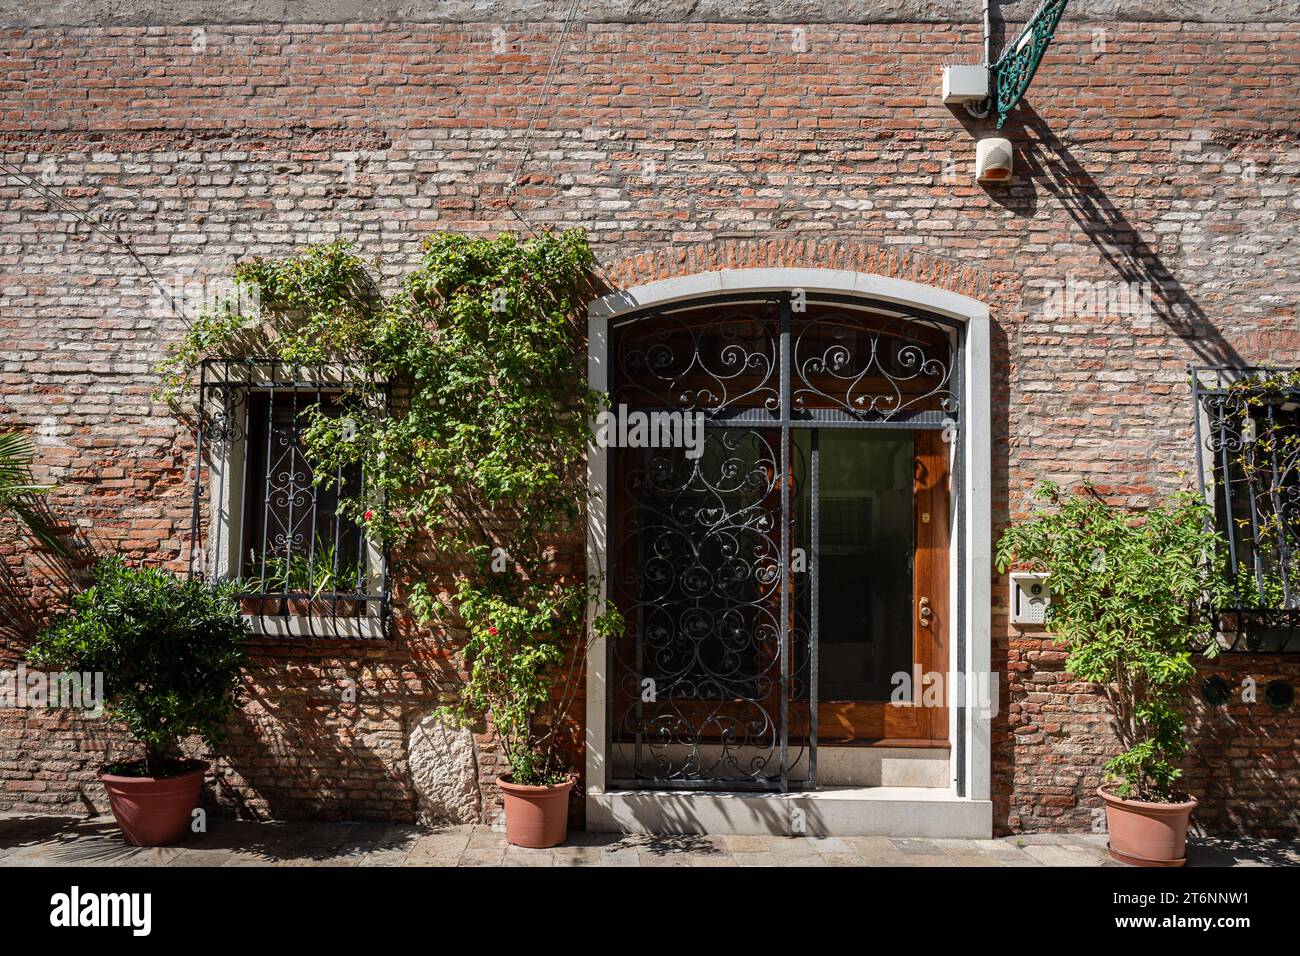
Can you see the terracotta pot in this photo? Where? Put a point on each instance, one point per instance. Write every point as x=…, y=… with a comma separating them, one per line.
x=154, y=811
x=1147, y=834
x=323, y=609
x=536, y=817
x=261, y=606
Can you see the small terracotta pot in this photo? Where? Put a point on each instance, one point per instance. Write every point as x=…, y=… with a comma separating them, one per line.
x=321, y=609
x=261, y=606
x=536, y=817
x=154, y=811
x=1147, y=834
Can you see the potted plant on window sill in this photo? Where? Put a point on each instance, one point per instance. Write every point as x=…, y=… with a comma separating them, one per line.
x=1130, y=593
x=170, y=652
x=318, y=584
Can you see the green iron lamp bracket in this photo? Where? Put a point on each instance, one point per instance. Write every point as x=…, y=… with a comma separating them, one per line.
x=1011, y=74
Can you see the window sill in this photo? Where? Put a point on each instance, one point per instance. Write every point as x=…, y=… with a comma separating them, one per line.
x=345, y=628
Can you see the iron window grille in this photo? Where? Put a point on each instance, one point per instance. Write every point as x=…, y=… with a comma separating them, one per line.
x=1248, y=460
x=261, y=517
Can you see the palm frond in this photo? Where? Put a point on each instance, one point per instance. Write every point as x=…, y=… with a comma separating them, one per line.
x=18, y=491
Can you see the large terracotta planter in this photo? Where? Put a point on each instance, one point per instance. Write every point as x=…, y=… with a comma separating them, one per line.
x=1147, y=834
x=536, y=817
x=154, y=811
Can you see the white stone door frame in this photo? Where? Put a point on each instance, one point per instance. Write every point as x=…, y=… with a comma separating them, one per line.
x=974, y=489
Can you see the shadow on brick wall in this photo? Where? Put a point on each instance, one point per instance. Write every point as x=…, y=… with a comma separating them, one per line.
x=1242, y=761
x=321, y=734
x=1051, y=165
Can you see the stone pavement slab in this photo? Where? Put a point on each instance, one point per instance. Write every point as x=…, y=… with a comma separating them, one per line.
x=38, y=840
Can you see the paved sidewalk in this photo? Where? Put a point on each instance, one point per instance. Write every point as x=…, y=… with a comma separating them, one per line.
x=30, y=840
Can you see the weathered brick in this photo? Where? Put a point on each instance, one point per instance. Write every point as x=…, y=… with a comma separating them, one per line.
x=840, y=156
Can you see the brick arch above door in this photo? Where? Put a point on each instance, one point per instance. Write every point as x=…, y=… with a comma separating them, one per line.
x=846, y=254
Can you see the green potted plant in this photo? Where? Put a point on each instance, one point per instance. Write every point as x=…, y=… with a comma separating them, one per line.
x=515, y=654
x=1130, y=598
x=313, y=583
x=475, y=465
x=170, y=651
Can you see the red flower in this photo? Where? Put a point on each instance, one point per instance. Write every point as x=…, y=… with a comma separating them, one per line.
x=492, y=631
x=368, y=515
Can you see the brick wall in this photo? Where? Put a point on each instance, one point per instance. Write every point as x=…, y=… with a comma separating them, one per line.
x=1167, y=156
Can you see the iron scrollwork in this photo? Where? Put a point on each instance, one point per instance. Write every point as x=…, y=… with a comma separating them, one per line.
x=1015, y=68
x=845, y=363
x=1252, y=476
x=699, y=670
x=713, y=682
x=729, y=361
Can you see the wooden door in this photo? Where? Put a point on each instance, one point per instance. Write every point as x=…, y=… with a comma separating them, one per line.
x=882, y=583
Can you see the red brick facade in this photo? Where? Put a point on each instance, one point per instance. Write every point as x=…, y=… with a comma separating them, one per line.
x=1168, y=157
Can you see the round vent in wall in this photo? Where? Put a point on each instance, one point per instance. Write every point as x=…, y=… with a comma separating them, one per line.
x=1215, y=691
x=1279, y=694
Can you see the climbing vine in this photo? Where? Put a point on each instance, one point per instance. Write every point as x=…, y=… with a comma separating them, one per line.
x=1263, y=426
x=476, y=465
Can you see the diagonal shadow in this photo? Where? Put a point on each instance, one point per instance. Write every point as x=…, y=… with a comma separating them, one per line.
x=1238, y=851
x=65, y=573
x=1053, y=166
x=78, y=841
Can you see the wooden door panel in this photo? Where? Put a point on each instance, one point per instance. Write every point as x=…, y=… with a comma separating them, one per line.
x=885, y=722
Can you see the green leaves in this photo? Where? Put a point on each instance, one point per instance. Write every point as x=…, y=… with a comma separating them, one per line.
x=19, y=491
x=1130, y=597
x=170, y=651
x=1258, y=485
x=480, y=452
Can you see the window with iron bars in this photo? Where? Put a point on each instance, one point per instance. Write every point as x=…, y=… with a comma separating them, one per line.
x=1248, y=459
x=262, y=515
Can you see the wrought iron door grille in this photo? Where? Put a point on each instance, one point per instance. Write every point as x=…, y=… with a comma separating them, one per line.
x=263, y=517
x=1248, y=460
x=714, y=682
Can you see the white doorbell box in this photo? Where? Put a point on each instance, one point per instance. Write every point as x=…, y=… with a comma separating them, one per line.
x=1030, y=597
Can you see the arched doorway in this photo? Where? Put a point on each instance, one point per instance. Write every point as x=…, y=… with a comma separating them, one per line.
x=825, y=423
x=792, y=575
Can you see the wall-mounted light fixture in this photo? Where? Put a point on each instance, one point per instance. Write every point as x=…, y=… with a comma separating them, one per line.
x=994, y=160
x=995, y=87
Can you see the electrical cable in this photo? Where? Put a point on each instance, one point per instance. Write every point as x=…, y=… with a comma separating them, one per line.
x=62, y=202
x=526, y=149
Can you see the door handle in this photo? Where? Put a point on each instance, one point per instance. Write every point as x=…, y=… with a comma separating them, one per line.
x=924, y=612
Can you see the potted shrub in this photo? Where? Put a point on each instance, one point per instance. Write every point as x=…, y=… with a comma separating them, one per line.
x=170, y=651
x=514, y=653
x=1130, y=601
x=473, y=457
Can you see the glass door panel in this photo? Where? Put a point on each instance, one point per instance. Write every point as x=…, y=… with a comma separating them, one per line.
x=865, y=554
x=880, y=553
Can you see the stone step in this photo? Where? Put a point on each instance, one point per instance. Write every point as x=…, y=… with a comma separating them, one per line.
x=828, y=811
